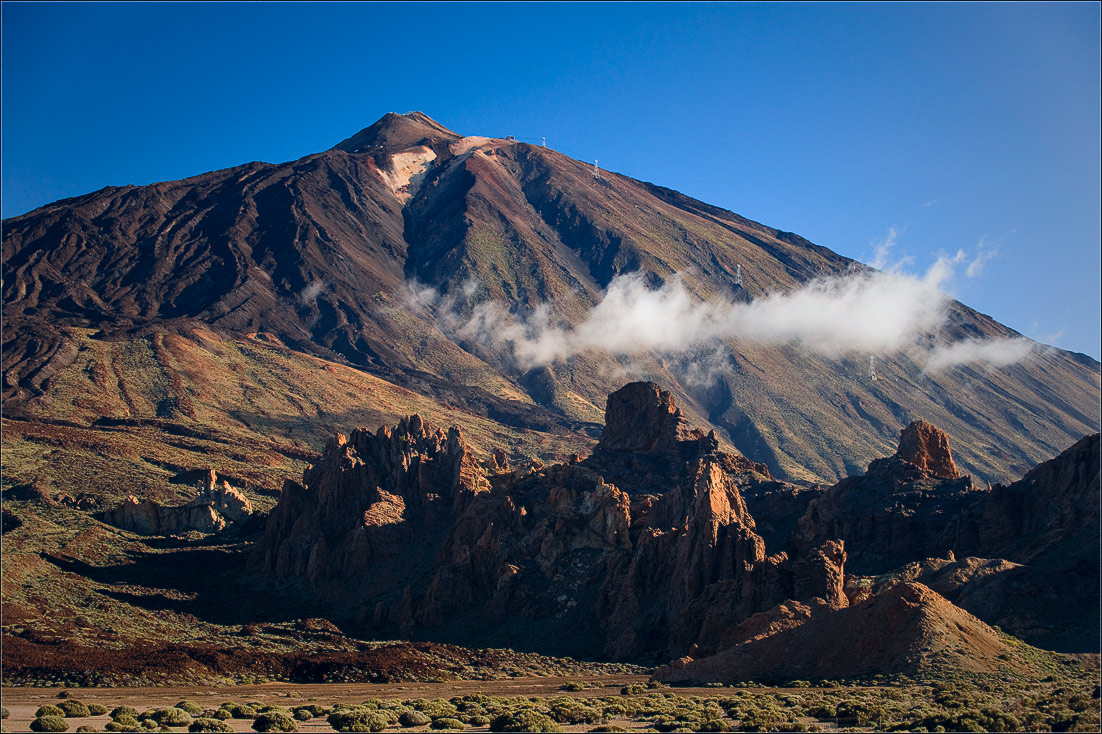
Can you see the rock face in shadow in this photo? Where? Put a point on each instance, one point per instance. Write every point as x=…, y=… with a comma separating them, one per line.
x=910, y=506
x=638, y=552
x=217, y=506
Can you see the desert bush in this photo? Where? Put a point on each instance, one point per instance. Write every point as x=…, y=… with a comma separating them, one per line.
x=414, y=718
x=74, y=709
x=209, y=725
x=524, y=720
x=96, y=709
x=191, y=707
x=124, y=711
x=221, y=715
x=49, y=710
x=241, y=711
x=274, y=721
x=123, y=722
x=148, y=724
x=86, y=728
x=169, y=716
x=633, y=689
x=357, y=719
x=478, y=720
x=310, y=710
x=713, y=725
x=446, y=722
x=50, y=723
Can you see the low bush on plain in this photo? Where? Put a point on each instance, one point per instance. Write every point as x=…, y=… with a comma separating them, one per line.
x=209, y=725
x=50, y=723
x=274, y=721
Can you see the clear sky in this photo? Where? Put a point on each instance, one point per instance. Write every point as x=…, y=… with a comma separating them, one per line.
x=953, y=126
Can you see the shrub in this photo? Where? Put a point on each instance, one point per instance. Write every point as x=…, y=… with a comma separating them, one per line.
x=4, y=713
x=241, y=711
x=149, y=724
x=357, y=719
x=191, y=707
x=123, y=722
x=610, y=728
x=124, y=711
x=49, y=710
x=50, y=723
x=524, y=720
x=274, y=721
x=96, y=709
x=446, y=722
x=478, y=720
x=221, y=714
x=213, y=725
x=169, y=716
x=414, y=718
x=74, y=709
x=86, y=728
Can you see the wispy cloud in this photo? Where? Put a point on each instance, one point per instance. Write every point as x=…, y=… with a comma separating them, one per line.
x=869, y=311
x=994, y=352
x=310, y=293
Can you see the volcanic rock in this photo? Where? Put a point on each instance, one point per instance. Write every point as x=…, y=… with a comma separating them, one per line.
x=927, y=447
x=216, y=506
x=905, y=629
x=899, y=511
x=639, y=551
x=371, y=513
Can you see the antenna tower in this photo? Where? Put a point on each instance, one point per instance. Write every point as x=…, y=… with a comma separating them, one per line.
x=596, y=170
x=738, y=275
x=544, y=141
x=872, y=367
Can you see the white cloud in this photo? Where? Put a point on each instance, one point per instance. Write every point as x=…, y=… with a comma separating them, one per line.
x=861, y=311
x=994, y=352
x=310, y=292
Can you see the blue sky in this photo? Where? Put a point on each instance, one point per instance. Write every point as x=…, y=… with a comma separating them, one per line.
x=953, y=126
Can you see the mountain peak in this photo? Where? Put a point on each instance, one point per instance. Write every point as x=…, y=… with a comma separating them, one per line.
x=398, y=132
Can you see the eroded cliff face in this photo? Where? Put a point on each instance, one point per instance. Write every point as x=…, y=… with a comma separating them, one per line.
x=368, y=517
x=640, y=551
x=910, y=506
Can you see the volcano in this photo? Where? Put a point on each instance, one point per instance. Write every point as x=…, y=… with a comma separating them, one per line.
x=259, y=304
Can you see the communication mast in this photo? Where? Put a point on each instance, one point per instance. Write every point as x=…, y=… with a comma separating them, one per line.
x=596, y=169
x=738, y=275
x=544, y=141
x=872, y=367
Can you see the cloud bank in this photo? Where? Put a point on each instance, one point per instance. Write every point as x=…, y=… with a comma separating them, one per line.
x=863, y=311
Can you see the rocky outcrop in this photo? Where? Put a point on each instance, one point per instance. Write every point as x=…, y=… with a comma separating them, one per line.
x=369, y=516
x=216, y=506
x=639, y=551
x=903, y=509
x=927, y=447
x=906, y=629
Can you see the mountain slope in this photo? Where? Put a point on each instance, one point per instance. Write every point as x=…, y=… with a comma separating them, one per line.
x=321, y=253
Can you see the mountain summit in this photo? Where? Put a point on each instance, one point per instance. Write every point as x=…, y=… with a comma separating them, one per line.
x=422, y=258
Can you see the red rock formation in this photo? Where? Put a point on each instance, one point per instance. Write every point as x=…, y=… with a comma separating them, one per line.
x=640, y=551
x=371, y=513
x=899, y=511
x=927, y=447
x=904, y=629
